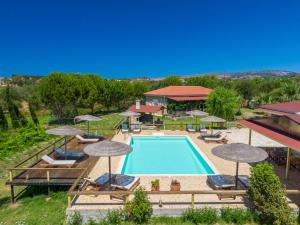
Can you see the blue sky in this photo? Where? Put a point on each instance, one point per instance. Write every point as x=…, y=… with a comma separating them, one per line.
x=153, y=38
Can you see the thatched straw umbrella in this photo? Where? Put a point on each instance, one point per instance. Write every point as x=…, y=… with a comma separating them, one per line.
x=197, y=113
x=65, y=131
x=240, y=153
x=211, y=120
x=107, y=149
x=87, y=118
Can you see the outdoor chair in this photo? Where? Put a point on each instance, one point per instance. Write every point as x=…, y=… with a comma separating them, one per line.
x=86, y=140
x=98, y=183
x=203, y=129
x=61, y=153
x=124, y=183
x=221, y=139
x=244, y=180
x=136, y=129
x=217, y=134
x=52, y=162
x=125, y=128
x=221, y=182
x=190, y=128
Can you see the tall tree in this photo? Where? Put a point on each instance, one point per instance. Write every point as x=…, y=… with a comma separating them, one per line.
x=223, y=103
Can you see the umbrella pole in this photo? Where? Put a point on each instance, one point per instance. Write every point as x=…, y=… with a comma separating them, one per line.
x=211, y=128
x=88, y=128
x=65, y=143
x=236, y=175
x=109, y=173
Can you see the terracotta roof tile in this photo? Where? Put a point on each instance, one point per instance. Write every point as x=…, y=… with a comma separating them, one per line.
x=145, y=109
x=284, y=107
x=180, y=91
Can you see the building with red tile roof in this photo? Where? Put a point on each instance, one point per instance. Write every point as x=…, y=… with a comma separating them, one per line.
x=284, y=108
x=180, y=94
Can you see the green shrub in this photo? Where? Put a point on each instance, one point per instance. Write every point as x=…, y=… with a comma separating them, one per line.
x=75, y=219
x=236, y=216
x=203, y=215
x=268, y=196
x=114, y=217
x=139, y=209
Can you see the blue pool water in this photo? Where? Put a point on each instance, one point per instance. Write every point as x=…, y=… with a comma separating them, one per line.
x=164, y=155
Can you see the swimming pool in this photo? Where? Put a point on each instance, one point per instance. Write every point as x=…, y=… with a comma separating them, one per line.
x=165, y=155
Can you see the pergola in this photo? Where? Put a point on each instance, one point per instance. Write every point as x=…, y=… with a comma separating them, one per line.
x=291, y=141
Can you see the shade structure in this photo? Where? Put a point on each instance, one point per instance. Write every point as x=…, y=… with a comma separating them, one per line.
x=87, y=118
x=240, y=153
x=197, y=113
x=65, y=131
x=107, y=149
x=211, y=120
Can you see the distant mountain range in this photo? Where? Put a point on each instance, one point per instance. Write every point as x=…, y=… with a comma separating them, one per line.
x=233, y=75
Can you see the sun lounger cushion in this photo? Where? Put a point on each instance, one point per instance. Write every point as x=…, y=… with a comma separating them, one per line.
x=62, y=153
x=136, y=128
x=244, y=179
x=51, y=161
x=102, y=180
x=81, y=139
x=190, y=128
x=220, y=181
x=93, y=136
x=124, y=182
x=217, y=134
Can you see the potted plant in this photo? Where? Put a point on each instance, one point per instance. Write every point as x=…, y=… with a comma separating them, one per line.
x=175, y=185
x=155, y=185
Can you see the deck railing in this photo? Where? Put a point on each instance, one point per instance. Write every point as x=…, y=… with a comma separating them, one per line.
x=29, y=163
x=73, y=195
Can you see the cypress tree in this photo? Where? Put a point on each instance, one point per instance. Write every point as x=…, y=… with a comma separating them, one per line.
x=3, y=121
x=33, y=114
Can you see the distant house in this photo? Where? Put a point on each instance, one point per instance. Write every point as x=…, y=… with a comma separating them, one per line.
x=195, y=95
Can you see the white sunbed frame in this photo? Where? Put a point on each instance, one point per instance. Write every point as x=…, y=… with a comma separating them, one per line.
x=86, y=140
x=215, y=139
x=52, y=162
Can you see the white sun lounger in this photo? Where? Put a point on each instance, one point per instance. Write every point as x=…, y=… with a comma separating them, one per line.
x=52, y=162
x=222, y=138
x=86, y=140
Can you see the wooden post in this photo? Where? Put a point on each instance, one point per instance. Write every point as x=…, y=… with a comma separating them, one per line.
x=250, y=137
x=69, y=201
x=288, y=163
x=10, y=176
x=193, y=200
x=12, y=194
x=48, y=175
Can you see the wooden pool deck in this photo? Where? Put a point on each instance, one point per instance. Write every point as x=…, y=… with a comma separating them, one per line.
x=33, y=171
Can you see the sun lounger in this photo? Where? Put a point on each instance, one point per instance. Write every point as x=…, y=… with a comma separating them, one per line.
x=93, y=136
x=98, y=183
x=221, y=182
x=244, y=180
x=52, y=162
x=86, y=140
x=220, y=139
x=202, y=128
x=190, y=128
x=136, y=129
x=124, y=183
x=217, y=134
x=61, y=153
x=124, y=128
